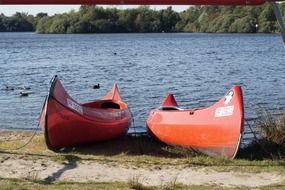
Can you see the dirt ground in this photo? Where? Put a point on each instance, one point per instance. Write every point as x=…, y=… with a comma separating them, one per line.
x=35, y=166
x=85, y=171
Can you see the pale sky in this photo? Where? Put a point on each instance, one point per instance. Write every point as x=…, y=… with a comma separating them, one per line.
x=9, y=10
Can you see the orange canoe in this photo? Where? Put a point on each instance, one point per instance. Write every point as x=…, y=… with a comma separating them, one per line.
x=214, y=131
x=65, y=122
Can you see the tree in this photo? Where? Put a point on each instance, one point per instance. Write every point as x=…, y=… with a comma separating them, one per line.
x=267, y=20
x=92, y=19
x=168, y=19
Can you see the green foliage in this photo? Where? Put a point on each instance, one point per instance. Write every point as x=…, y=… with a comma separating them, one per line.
x=168, y=19
x=16, y=23
x=267, y=20
x=243, y=25
x=43, y=25
x=94, y=19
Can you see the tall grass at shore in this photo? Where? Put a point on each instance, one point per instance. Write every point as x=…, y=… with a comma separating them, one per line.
x=269, y=142
x=272, y=129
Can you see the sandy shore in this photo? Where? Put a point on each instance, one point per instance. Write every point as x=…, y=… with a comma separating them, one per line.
x=44, y=169
x=42, y=165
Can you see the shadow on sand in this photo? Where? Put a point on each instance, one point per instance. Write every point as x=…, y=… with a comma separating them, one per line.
x=146, y=145
x=130, y=145
x=127, y=145
x=71, y=163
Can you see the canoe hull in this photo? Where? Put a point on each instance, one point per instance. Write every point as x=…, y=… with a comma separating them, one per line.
x=214, y=131
x=80, y=124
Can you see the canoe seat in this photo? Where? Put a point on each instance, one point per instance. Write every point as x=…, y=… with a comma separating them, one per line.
x=169, y=108
x=112, y=105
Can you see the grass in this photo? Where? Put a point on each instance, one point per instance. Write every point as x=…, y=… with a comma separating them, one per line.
x=137, y=152
x=269, y=143
x=266, y=154
x=134, y=183
x=272, y=129
x=65, y=158
x=20, y=184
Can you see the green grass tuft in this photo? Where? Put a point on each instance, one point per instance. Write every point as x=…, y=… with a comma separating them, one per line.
x=134, y=183
x=65, y=158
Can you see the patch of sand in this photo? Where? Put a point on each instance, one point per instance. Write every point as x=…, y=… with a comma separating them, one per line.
x=84, y=171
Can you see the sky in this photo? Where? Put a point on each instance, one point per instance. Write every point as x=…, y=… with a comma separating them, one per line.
x=9, y=10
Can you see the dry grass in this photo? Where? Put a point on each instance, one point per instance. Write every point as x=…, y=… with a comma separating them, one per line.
x=134, y=183
x=20, y=184
x=135, y=152
x=140, y=152
x=272, y=129
x=270, y=140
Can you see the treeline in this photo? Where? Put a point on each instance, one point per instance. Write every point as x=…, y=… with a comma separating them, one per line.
x=94, y=19
x=20, y=22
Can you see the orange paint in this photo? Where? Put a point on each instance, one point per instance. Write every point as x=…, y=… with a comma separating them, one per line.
x=215, y=130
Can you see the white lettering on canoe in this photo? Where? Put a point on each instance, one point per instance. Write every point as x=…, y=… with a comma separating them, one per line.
x=73, y=105
x=224, y=111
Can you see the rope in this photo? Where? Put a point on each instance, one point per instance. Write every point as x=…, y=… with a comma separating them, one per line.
x=24, y=145
x=256, y=139
x=27, y=143
x=133, y=122
x=249, y=126
x=136, y=133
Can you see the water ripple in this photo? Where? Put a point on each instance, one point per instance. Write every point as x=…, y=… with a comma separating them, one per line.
x=197, y=68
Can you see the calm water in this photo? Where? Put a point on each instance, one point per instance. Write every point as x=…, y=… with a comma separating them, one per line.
x=198, y=68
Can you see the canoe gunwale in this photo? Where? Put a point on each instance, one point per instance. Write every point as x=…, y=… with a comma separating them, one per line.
x=82, y=115
x=47, y=140
x=51, y=96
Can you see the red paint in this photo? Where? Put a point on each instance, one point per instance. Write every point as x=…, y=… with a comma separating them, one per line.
x=169, y=101
x=68, y=123
x=215, y=130
x=138, y=2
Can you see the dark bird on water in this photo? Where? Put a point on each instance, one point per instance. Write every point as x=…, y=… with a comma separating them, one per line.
x=96, y=86
x=9, y=87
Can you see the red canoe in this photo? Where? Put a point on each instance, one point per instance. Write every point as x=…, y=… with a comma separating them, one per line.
x=67, y=123
x=214, y=131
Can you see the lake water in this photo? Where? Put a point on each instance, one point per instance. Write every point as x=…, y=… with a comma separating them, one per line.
x=198, y=68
